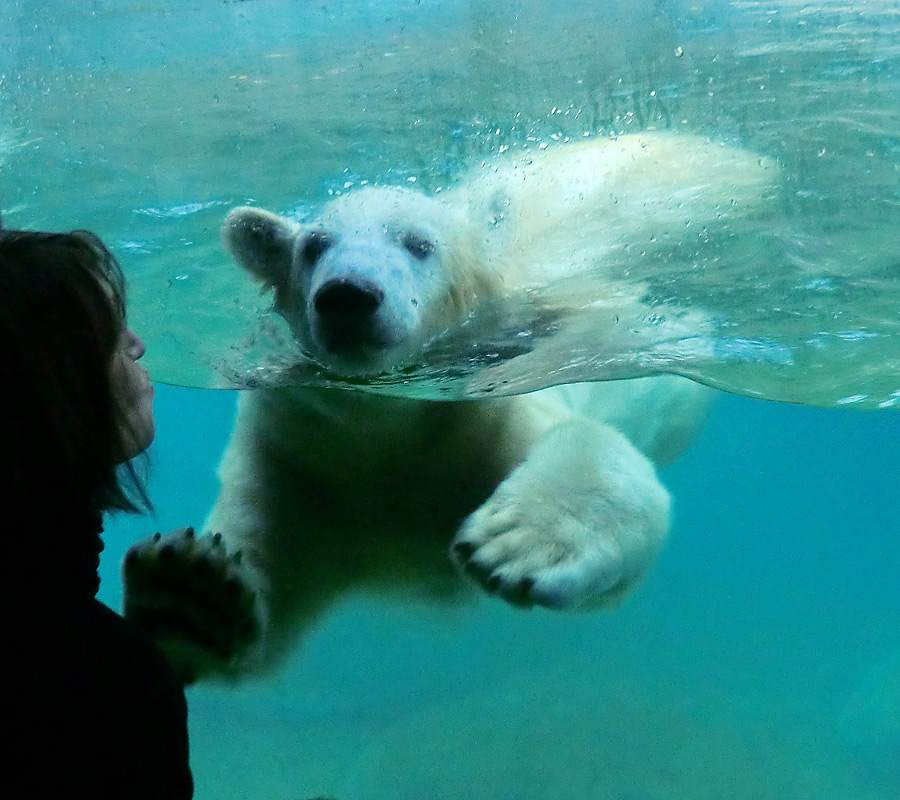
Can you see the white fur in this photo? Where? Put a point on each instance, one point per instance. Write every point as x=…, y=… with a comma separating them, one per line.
x=545, y=499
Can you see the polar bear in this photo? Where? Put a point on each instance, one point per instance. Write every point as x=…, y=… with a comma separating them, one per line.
x=545, y=499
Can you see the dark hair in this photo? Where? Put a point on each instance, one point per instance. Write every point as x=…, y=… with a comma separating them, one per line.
x=62, y=311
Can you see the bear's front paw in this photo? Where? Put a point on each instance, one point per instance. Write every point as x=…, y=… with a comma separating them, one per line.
x=576, y=525
x=530, y=556
x=193, y=598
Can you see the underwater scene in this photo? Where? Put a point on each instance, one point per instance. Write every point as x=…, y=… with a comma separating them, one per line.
x=467, y=292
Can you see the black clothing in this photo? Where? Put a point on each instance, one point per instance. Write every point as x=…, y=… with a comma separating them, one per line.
x=90, y=705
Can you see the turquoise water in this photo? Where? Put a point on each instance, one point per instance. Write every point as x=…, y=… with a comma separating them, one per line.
x=760, y=659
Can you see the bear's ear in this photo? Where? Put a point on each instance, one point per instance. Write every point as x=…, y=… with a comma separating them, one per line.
x=261, y=242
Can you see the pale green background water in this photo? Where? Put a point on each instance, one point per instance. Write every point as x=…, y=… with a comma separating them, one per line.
x=161, y=115
x=760, y=660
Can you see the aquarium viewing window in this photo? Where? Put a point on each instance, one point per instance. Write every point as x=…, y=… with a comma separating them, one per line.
x=618, y=189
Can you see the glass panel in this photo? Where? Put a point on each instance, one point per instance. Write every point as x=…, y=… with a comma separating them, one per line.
x=748, y=242
x=763, y=259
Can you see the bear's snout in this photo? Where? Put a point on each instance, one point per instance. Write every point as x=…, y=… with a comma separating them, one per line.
x=348, y=317
x=348, y=298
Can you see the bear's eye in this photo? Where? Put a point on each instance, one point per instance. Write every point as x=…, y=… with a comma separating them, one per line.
x=313, y=245
x=418, y=246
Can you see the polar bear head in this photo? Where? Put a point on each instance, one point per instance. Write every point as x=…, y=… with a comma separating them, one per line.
x=372, y=278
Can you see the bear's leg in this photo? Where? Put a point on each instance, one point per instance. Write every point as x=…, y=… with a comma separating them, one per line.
x=573, y=526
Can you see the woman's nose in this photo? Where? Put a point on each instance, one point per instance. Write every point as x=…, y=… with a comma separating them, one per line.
x=136, y=347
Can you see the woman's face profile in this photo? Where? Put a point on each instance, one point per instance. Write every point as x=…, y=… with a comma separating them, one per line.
x=134, y=393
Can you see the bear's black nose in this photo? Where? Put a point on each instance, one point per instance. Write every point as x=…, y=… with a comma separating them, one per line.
x=348, y=298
